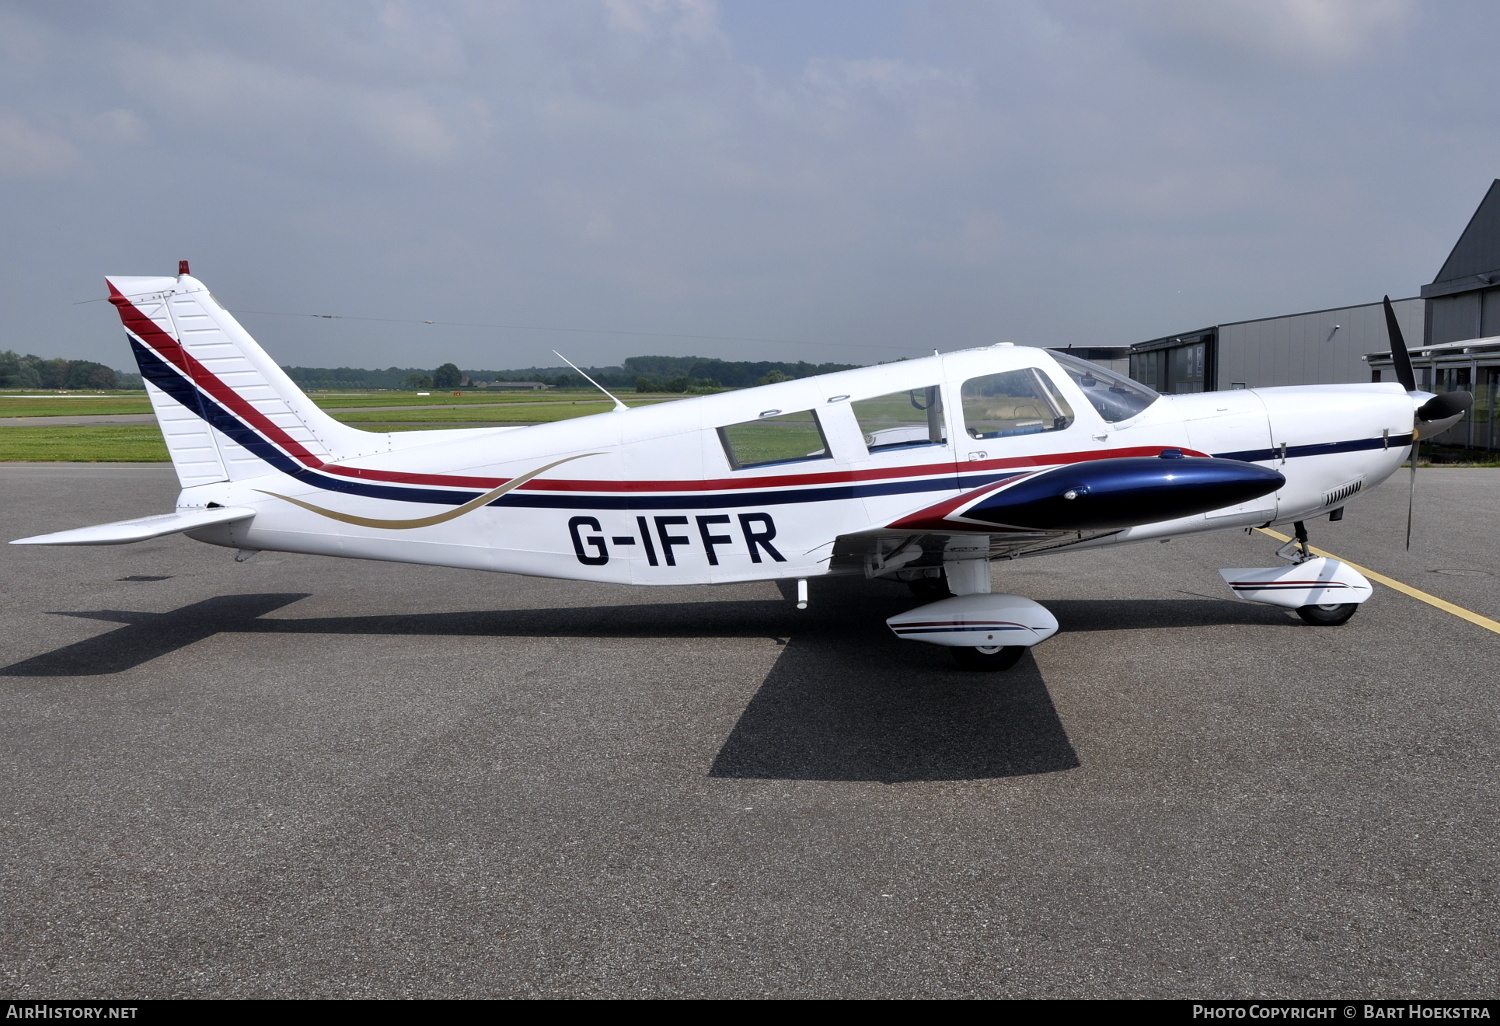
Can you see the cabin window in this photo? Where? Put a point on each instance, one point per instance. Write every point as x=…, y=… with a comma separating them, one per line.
x=902, y=420
x=772, y=439
x=1019, y=402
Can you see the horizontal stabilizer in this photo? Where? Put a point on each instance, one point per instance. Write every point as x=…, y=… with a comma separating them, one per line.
x=142, y=528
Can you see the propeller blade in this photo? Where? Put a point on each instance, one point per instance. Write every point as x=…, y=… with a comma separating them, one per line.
x=1399, y=356
x=1411, y=494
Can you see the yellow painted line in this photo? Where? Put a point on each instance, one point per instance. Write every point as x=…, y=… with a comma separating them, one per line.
x=1405, y=589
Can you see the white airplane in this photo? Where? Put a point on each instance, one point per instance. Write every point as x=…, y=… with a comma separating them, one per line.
x=923, y=471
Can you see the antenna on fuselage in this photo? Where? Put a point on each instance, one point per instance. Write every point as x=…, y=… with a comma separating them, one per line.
x=618, y=405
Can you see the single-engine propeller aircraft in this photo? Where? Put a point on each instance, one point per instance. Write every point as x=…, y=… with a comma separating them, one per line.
x=922, y=471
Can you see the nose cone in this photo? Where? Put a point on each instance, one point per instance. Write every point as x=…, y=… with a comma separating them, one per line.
x=1109, y=495
x=1441, y=412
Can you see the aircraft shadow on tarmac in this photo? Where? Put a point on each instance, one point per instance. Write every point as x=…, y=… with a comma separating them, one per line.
x=845, y=700
x=849, y=701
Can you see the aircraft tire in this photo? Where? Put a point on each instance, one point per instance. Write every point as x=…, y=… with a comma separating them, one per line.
x=988, y=659
x=1328, y=615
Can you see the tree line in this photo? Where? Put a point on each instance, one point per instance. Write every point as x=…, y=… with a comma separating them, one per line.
x=641, y=373
x=31, y=371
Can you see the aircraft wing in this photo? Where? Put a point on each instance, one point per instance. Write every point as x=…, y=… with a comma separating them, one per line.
x=142, y=528
x=882, y=550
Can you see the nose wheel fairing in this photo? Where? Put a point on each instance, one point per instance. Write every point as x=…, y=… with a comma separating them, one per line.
x=1319, y=581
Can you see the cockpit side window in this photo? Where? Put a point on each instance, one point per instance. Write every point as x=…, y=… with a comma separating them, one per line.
x=901, y=420
x=1116, y=397
x=1019, y=402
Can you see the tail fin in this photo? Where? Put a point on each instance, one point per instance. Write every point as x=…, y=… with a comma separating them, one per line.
x=226, y=410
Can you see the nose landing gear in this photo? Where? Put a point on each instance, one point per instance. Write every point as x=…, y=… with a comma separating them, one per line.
x=1328, y=614
x=1321, y=614
x=1323, y=591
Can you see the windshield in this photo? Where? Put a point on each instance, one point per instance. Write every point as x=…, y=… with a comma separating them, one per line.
x=1116, y=397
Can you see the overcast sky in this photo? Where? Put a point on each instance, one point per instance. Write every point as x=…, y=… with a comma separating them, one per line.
x=882, y=177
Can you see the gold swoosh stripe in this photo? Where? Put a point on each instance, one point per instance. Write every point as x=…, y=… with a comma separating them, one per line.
x=452, y=514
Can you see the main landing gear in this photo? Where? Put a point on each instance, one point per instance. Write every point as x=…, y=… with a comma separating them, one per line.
x=988, y=657
x=983, y=631
x=931, y=586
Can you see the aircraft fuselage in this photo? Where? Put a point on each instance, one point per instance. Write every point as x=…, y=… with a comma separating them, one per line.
x=660, y=495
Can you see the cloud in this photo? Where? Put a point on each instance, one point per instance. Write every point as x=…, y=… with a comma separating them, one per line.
x=884, y=77
x=1045, y=172
x=117, y=125
x=302, y=117
x=1302, y=31
x=692, y=21
x=28, y=152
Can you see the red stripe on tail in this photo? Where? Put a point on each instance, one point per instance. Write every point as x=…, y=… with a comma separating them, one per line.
x=171, y=350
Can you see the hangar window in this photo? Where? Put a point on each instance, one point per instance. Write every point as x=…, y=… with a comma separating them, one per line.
x=901, y=420
x=1116, y=398
x=774, y=438
x=1019, y=402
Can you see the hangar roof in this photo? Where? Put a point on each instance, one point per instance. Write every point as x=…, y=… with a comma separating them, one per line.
x=1475, y=260
x=1466, y=347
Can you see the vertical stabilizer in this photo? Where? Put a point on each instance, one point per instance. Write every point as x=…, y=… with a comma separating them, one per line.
x=227, y=412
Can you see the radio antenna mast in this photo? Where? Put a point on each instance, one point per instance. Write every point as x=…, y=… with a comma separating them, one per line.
x=618, y=405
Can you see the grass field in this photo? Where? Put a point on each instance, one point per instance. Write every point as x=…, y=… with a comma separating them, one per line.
x=134, y=443
x=35, y=404
x=344, y=400
x=458, y=415
x=142, y=443
x=74, y=405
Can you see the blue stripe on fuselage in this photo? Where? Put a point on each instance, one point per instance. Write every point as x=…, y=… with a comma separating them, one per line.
x=1317, y=449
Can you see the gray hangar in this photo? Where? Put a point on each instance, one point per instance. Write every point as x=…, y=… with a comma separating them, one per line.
x=1452, y=328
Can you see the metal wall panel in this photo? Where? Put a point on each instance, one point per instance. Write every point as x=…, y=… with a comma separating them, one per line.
x=1455, y=318
x=1304, y=349
x=1489, y=318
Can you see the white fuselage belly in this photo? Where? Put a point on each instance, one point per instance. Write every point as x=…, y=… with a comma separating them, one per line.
x=648, y=496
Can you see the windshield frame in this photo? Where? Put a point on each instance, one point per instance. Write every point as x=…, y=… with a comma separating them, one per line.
x=1075, y=368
